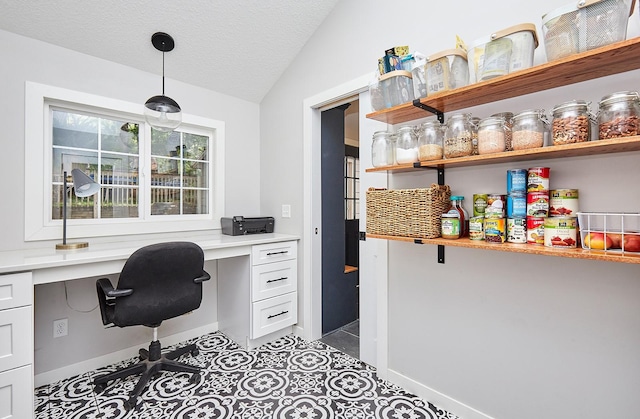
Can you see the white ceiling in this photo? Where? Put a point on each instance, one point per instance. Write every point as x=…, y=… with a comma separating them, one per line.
x=237, y=47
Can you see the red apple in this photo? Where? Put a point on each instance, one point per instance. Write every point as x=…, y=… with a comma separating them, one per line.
x=616, y=240
x=597, y=241
x=632, y=243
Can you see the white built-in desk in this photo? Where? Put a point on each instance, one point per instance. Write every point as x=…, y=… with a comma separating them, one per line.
x=262, y=287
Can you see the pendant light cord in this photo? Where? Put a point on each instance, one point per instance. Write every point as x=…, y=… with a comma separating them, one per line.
x=163, y=68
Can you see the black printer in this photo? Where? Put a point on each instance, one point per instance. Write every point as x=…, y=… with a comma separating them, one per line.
x=239, y=225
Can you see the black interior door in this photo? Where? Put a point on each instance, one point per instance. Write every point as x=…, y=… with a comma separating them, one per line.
x=339, y=290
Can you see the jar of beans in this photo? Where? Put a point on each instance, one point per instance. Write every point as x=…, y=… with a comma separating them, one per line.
x=618, y=115
x=430, y=141
x=529, y=128
x=492, y=134
x=571, y=122
x=458, y=136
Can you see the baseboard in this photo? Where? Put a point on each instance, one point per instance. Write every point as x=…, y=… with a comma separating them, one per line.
x=442, y=401
x=52, y=376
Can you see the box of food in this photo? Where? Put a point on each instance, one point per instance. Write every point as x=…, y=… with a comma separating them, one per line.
x=446, y=70
x=610, y=231
x=502, y=52
x=584, y=26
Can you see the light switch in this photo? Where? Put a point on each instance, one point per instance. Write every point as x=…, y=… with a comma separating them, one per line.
x=286, y=211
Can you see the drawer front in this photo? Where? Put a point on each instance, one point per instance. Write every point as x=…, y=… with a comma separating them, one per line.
x=16, y=290
x=273, y=252
x=273, y=279
x=16, y=393
x=16, y=338
x=274, y=314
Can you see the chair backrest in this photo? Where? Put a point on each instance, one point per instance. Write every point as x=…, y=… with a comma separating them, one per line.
x=162, y=279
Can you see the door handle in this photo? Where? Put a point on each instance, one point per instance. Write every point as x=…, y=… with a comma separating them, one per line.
x=276, y=315
x=277, y=253
x=276, y=280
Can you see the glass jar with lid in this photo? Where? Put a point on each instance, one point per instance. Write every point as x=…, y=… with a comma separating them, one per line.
x=430, y=135
x=529, y=128
x=457, y=137
x=492, y=134
x=406, y=145
x=619, y=115
x=382, y=149
x=571, y=122
x=475, y=122
x=508, y=119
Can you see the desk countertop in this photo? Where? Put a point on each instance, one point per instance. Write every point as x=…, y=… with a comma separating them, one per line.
x=48, y=258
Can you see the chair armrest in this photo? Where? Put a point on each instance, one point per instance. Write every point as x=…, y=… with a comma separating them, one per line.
x=205, y=277
x=110, y=292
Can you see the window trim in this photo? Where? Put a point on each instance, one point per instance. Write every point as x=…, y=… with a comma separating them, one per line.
x=38, y=223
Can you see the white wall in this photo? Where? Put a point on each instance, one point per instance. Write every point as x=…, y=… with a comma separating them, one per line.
x=25, y=59
x=511, y=335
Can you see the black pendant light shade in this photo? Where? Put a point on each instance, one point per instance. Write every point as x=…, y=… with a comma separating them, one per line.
x=162, y=112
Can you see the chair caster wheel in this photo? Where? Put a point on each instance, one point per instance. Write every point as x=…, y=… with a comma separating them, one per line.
x=129, y=405
x=195, y=352
x=99, y=388
x=194, y=379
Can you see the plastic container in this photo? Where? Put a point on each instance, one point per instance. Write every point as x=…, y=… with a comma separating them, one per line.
x=446, y=70
x=571, y=122
x=619, y=115
x=584, y=25
x=382, y=149
x=419, y=78
x=492, y=135
x=397, y=88
x=502, y=52
x=529, y=128
x=406, y=146
x=458, y=137
x=430, y=141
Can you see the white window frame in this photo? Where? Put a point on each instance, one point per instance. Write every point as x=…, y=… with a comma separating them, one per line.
x=39, y=224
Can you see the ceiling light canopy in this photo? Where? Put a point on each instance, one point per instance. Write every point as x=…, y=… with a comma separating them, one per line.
x=162, y=112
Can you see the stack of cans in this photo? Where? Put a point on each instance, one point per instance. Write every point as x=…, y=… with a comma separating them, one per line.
x=517, y=205
x=537, y=203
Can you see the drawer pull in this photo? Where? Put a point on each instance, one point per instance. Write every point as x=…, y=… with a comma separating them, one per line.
x=276, y=280
x=277, y=253
x=276, y=315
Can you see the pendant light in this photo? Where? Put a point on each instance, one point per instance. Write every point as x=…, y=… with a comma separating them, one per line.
x=162, y=112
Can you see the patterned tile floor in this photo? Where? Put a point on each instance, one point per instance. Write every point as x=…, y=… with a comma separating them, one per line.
x=289, y=378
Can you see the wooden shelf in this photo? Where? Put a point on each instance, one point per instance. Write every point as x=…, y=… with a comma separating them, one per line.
x=616, y=145
x=605, y=61
x=610, y=256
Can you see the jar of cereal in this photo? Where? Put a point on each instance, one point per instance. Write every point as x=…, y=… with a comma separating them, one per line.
x=619, y=115
x=529, y=128
x=430, y=141
x=492, y=134
x=458, y=137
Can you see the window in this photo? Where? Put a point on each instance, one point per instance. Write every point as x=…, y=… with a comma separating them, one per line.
x=150, y=181
x=351, y=188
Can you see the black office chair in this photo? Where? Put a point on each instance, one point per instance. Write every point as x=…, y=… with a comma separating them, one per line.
x=158, y=282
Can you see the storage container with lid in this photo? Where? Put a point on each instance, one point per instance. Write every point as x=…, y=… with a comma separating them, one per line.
x=529, y=128
x=508, y=119
x=475, y=122
x=571, y=122
x=406, y=145
x=447, y=70
x=382, y=149
x=430, y=136
x=619, y=115
x=492, y=135
x=584, y=25
x=397, y=88
x=502, y=52
x=375, y=94
x=458, y=136
x=419, y=77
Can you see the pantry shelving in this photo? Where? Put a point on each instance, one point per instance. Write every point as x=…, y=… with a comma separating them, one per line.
x=612, y=59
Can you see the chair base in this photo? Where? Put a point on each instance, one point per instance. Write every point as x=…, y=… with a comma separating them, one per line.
x=152, y=362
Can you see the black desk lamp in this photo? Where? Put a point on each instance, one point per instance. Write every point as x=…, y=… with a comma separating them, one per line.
x=83, y=186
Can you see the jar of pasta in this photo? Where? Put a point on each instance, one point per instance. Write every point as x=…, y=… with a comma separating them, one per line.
x=619, y=115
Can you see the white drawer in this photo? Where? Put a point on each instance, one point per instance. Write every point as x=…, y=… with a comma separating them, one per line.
x=273, y=252
x=273, y=279
x=16, y=338
x=16, y=290
x=274, y=314
x=16, y=393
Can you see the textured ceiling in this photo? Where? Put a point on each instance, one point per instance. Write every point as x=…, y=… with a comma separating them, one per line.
x=237, y=47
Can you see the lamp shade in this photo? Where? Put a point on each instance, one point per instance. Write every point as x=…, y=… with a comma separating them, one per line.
x=162, y=113
x=83, y=185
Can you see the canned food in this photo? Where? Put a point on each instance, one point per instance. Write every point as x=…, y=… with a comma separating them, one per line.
x=479, y=204
x=535, y=230
x=476, y=228
x=495, y=230
x=517, y=205
x=496, y=205
x=516, y=180
x=538, y=179
x=560, y=232
x=517, y=230
x=538, y=204
x=563, y=203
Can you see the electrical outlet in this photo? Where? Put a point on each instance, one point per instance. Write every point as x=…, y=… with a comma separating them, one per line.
x=286, y=211
x=60, y=328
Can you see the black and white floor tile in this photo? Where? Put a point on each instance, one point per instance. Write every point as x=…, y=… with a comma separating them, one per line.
x=289, y=378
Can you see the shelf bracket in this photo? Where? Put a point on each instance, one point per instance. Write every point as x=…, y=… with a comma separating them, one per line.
x=440, y=170
x=440, y=253
x=437, y=113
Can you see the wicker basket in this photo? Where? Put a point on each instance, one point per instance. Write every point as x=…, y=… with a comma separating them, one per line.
x=407, y=212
